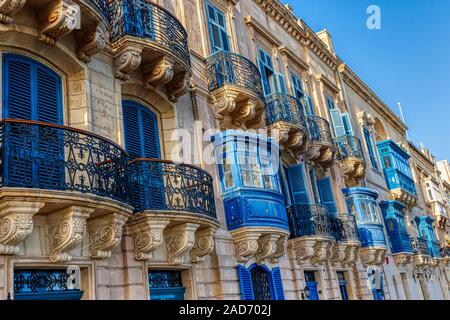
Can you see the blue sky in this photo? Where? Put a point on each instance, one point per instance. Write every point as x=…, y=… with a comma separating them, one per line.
x=407, y=61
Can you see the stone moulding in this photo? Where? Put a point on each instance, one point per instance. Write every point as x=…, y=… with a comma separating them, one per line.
x=90, y=42
x=403, y=258
x=353, y=169
x=260, y=244
x=237, y=108
x=16, y=224
x=404, y=196
x=180, y=240
x=58, y=19
x=314, y=250
x=9, y=8
x=293, y=138
x=322, y=154
x=204, y=244
x=346, y=253
x=373, y=256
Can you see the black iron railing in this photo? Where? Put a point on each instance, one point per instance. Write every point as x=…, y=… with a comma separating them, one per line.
x=160, y=185
x=102, y=6
x=146, y=20
x=345, y=228
x=349, y=146
x=226, y=68
x=282, y=107
x=319, y=130
x=420, y=246
x=309, y=220
x=47, y=156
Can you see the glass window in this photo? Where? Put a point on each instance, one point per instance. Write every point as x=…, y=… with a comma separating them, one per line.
x=228, y=178
x=387, y=162
x=250, y=171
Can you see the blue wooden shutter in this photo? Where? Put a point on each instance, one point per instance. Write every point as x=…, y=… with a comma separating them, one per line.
x=347, y=125
x=326, y=194
x=217, y=29
x=245, y=281
x=281, y=84
x=150, y=134
x=369, y=144
x=297, y=184
x=309, y=106
x=336, y=119
x=132, y=130
x=277, y=284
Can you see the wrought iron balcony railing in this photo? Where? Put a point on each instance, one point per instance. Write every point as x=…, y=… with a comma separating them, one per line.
x=420, y=246
x=281, y=107
x=345, y=228
x=146, y=20
x=319, y=130
x=160, y=185
x=226, y=68
x=309, y=220
x=102, y=6
x=349, y=146
x=46, y=156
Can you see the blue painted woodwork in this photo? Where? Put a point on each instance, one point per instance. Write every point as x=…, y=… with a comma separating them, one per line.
x=297, y=184
x=309, y=220
x=396, y=226
x=168, y=186
x=226, y=68
x=397, y=171
x=281, y=107
x=370, y=148
x=166, y=285
x=311, y=285
x=267, y=72
x=336, y=118
x=297, y=88
x=326, y=194
x=426, y=231
x=149, y=21
x=43, y=285
x=362, y=203
x=258, y=282
x=248, y=168
x=217, y=29
x=342, y=285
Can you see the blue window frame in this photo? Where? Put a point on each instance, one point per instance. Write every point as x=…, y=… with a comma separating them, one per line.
x=260, y=283
x=342, y=285
x=166, y=285
x=311, y=285
x=347, y=124
x=336, y=118
x=297, y=184
x=140, y=130
x=218, y=33
x=33, y=91
x=272, y=81
x=323, y=191
x=297, y=87
x=370, y=148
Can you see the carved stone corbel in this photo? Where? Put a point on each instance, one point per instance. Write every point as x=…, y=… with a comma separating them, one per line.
x=267, y=246
x=147, y=233
x=127, y=60
x=16, y=224
x=57, y=19
x=304, y=249
x=244, y=113
x=204, y=244
x=67, y=230
x=105, y=233
x=280, y=251
x=372, y=256
x=402, y=259
x=91, y=42
x=323, y=251
x=161, y=72
x=180, y=240
x=9, y=8
x=246, y=245
x=178, y=87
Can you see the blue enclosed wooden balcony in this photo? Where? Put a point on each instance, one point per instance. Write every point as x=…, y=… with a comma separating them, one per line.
x=236, y=88
x=285, y=118
x=321, y=149
x=144, y=34
x=351, y=158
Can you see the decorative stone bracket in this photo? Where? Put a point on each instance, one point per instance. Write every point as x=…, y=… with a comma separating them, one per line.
x=58, y=19
x=372, y=256
x=292, y=138
x=9, y=8
x=403, y=259
x=16, y=224
x=90, y=42
x=204, y=244
x=314, y=250
x=180, y=240
x=262, y=245
x=353, y=169
x=403, y=196
x=105, y=233
x=66, y=231
x=323, y=155
x=126, y=61
x=345, y=253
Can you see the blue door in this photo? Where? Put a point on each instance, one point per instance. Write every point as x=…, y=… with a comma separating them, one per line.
x=166, y=285
x=311, y=285
x=342, y=285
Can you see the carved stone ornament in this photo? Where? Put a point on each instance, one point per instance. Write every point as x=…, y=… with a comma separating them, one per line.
x=127, y=61
x=16, y=224
x=91, y=42
x=58, y=19
x=105, y=233
x=161, y=72
x=179, y=241
x=281, y=249
x=246, y=245
x=366, y=120
x=204, y=244
x=178, y=87
x=9, y=8
x=148, y=235
x=372, y=256
x=66, y=231
x=267, y=246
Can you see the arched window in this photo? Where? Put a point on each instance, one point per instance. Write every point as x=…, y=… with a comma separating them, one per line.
x=140, y=130
x=260, y=283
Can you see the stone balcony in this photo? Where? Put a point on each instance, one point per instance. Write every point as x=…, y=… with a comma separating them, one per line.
x=174, y=204
x=422, y=256
x=347, y=244
x=351, y=159
x=285, y=118
x=322, y=149
x=147, y=36
x=236, y=89
x=73, y=182
x=312, y=238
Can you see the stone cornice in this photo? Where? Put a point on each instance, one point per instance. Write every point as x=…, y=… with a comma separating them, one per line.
x=327, y=83
x=249, y=20
x=418, y=155
x=285, y=51
x=369, y=96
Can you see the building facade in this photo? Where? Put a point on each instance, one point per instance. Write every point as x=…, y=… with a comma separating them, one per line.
x=214, y=149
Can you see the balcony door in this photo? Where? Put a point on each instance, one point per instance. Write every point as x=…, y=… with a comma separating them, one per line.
x=33, y=153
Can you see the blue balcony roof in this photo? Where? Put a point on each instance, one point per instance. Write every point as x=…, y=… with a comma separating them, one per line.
x=360, y=190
